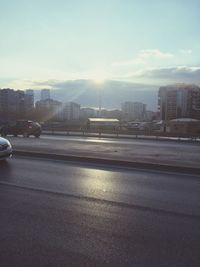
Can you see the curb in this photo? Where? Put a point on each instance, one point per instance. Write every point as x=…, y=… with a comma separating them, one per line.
x=109, y=162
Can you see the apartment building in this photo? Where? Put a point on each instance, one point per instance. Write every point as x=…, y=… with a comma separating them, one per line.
x=179, y=101
x=71, y=111
x=134, y=110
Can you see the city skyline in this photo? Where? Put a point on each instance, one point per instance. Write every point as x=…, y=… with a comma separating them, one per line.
x=112, y=93
x=134, y=41
x=174, y=102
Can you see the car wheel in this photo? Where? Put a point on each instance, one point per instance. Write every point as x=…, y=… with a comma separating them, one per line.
x=37, y=135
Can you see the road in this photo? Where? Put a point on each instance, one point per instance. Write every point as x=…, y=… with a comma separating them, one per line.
x=149, y=151
x=55, y=213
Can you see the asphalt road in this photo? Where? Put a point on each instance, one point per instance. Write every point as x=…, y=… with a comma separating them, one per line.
x=67, y=214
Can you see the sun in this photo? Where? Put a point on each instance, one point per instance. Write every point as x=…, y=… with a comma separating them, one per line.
x=99, y=78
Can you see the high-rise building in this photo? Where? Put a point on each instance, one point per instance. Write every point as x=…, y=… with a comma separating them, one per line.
x=49, y=109
x=134, y=110
x=71, y=111
x=29, y=100
x=12, y=103
x=45, y=94
x=179, y=101
x=7, y=100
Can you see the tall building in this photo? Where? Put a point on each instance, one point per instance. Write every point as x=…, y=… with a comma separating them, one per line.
x=49, y=109
x=7, y=100
x=134, y=110
x=179, y=101
x=12, y=103
x=71, y=111
x=29, y=100
x=45, y=94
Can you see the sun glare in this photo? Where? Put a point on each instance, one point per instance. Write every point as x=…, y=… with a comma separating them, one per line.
x=99, y=78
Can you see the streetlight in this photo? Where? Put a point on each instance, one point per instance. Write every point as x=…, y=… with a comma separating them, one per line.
x=99, y=81
x=100, y=100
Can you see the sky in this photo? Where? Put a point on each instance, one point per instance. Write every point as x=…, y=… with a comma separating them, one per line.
x=140, y=41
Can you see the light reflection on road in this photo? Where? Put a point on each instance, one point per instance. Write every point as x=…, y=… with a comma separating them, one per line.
x=98, y=182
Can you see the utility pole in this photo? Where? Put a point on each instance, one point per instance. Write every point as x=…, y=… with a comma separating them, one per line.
x=100, y=100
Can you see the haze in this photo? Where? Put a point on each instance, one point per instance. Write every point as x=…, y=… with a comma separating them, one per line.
x=148, y=42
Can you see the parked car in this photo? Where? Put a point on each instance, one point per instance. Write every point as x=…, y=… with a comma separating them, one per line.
x=22, y=127
x=133, y=126
x=5, y=149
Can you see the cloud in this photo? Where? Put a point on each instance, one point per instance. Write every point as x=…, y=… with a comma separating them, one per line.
x=186, y=51
x=180, y=74
x=144, y=56
x=154, y=53
x=171, y=74
x=16, y=83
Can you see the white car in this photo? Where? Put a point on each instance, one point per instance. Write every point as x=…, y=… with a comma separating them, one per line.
x=5, y=149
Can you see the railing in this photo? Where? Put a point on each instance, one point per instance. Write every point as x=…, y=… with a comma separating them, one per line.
x=120, y=133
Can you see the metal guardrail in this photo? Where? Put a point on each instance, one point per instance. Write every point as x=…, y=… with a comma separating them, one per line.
x=120, y=133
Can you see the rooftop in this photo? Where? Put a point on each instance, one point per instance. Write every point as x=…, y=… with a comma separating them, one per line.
x=102, y=120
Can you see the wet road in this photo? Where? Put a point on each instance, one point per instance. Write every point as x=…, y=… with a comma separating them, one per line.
x=67, y=214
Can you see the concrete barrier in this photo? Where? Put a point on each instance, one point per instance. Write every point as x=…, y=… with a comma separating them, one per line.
x=109, y=162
